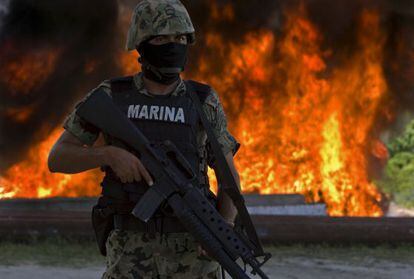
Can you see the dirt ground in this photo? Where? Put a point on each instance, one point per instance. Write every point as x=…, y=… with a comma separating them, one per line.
x=287, y=263
x=288, y=269
x=46, y=272
x=302, y=268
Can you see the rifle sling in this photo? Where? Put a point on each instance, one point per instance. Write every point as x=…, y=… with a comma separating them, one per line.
x=225, y=176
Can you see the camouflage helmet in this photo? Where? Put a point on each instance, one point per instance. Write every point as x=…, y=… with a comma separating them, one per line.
x=158, y=17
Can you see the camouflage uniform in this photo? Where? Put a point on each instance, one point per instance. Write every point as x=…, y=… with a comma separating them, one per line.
x=132, y=254
x=212, y=108
x=142, y=255
x=161, y=17
x=145, y=255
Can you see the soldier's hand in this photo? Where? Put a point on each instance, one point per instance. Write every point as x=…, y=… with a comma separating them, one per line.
x=202, y=252
x=126, y=165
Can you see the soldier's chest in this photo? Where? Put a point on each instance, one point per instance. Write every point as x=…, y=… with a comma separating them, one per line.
x=159, y=118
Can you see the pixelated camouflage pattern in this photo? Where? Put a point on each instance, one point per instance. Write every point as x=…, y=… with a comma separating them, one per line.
x=145, y=255
x=132, y=254
x=212, y=107
x=158, y=17
x=214, y=112
x=77, y=127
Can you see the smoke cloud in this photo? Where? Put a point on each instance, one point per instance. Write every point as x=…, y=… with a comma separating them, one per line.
x=85, y=37
x=4, y=9
x=336, y=21
x=75, y=39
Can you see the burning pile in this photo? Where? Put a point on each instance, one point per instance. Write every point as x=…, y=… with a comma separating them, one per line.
x=308, y=117
x=303, y=132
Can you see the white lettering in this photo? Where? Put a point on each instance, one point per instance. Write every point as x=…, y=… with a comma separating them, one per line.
x=169, y=114
x=133, y=111
x=144, y=112
x=165, y=113
x=154, y=112
x=161, y=113
x=180, y=116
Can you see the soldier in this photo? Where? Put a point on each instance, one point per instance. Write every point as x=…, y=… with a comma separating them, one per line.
x=159, y=105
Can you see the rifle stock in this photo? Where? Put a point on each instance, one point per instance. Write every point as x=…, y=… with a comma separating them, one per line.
x=175, y=183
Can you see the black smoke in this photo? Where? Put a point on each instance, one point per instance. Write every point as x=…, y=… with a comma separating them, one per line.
x=83, y=32
x=337, y=21
x=88, y=31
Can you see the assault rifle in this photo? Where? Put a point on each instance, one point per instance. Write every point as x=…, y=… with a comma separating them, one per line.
x=176, y=183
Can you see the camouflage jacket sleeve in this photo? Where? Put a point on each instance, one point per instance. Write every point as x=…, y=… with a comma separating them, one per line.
x=215, y=114
x=85, y=132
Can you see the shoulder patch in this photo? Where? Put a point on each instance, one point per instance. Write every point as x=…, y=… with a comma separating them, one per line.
x=212, y=99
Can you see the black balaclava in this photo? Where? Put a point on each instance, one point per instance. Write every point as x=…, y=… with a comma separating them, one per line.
x=163, y=63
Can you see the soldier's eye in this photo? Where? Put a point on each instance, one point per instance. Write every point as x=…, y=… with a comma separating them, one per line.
x=182, y=39
x=158, y=40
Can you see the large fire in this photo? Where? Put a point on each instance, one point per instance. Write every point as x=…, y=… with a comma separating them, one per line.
x=32, y=179
x=302, y=130
x=28, y=70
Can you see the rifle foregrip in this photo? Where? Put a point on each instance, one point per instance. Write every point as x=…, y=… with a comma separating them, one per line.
x=210, y=243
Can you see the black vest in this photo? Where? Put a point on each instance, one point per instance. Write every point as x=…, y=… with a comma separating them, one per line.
x=159, y=118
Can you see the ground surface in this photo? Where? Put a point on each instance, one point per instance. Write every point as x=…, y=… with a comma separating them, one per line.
x=69, y=260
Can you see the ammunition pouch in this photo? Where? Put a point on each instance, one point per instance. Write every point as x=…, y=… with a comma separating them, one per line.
x=103, y=224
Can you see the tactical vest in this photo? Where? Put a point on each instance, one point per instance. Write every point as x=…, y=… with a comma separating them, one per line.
x=159, y=118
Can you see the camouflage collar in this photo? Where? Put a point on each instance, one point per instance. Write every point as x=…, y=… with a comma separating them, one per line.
x=139, y=82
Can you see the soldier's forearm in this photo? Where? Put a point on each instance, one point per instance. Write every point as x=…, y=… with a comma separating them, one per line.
x=69, y=158
x=225, y=205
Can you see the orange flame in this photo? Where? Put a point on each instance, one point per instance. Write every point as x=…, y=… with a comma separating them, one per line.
x=302, y=130
x=32, y=179
x=29, y=71
x=20, y=115
x=221, y=13
x=302, y=133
